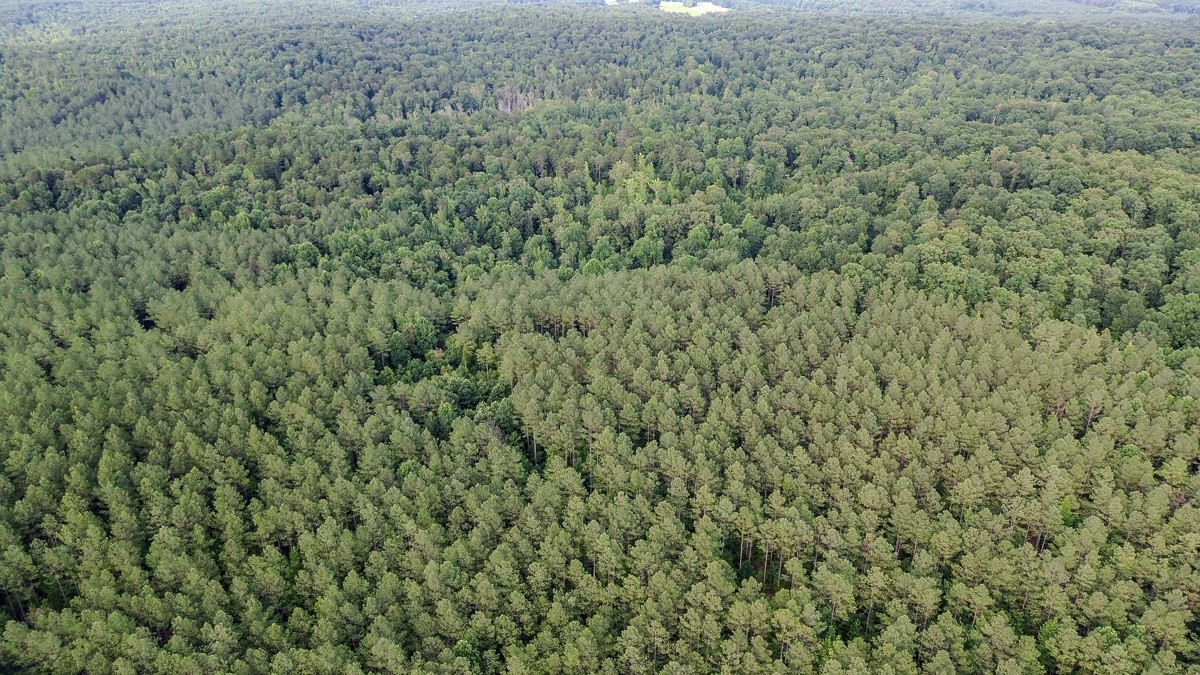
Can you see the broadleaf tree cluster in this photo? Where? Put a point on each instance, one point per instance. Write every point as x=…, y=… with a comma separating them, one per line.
x=346, y=337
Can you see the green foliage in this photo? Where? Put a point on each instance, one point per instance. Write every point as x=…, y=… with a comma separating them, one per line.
x=344, y=338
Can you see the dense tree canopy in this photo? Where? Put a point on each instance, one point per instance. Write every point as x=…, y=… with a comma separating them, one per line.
x=345, y=337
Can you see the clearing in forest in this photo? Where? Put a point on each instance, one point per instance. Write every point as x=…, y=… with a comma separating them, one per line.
x=697, y=9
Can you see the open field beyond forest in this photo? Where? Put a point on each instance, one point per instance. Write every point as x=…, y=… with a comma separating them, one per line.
x=699, y=9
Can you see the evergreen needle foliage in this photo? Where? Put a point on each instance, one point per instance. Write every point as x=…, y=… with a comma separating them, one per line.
x=346, y=337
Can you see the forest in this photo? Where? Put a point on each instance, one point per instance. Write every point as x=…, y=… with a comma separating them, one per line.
x=357, y=336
